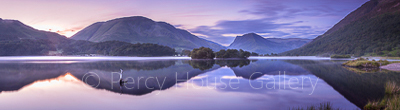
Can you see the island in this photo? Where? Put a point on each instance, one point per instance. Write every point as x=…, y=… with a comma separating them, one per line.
x=370, y=64
x=340, y=56
x=207, y=53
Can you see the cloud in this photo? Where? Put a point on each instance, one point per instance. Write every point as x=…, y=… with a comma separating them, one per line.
x=246, y=26
x=215, y=20
x=292, y=8
x=212, y=34
x=223, y=32
x=281, y=19
x=68, y=32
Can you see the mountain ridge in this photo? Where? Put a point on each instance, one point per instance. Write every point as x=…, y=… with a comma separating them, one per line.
x=18, y=39
x=371, y=29
x=138, y=29
x=12, y=30
x=370, y=8
x=255, y=43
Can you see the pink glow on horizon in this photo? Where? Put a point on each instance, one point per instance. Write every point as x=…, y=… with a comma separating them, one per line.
x=68, y=17
x=63, y=16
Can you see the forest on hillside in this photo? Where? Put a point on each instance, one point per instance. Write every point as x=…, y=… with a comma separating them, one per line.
x=40, y=47
x=115, y=48
x=25, y=47
x=379, y=35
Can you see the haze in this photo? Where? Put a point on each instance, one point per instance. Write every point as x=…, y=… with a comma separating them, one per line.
x=216, y=20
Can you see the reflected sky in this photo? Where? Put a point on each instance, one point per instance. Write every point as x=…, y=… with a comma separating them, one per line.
x=215, y=87
x=272, y=91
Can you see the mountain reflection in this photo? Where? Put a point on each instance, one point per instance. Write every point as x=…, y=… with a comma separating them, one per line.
x=269, y=67
x=14, y=76
x=140, y=81
x=143, y=77
x=358, y=88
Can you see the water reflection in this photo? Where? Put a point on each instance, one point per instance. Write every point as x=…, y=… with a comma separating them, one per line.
x=267, y=79
x=141, y=77
x=14, y=76
x=357, y=88
x=365, y=70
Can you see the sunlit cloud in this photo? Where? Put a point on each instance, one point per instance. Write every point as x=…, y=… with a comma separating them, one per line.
x=231, y=35
x=213, y=20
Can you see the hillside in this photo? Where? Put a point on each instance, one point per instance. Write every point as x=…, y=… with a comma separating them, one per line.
x=13, y=30
x=255, y=43
x=373, y=28
x=139, y=29
x=291, y=43
x=18, y=39
x=114, y=48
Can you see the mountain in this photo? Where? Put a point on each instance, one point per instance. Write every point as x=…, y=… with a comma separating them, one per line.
x=255, y=43
x=17, y=38
x=114, y=48
x=292, y=43
x=12, y=30
x=372, y=29
x=139, y=29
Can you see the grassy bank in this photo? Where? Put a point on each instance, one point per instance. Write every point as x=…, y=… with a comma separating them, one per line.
x=340, y=56
x=321, y=106
x=365, y=63
x=397, y=58
x=391, y=101
x=382, y=57
x=365, y=70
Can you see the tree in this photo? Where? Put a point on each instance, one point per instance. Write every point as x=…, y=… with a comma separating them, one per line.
x=244, y=54
x=115, y=48
x=185, y=52
x=220, y=53
x=254, y=54
x=202, y=64
x=232, y=53
x=202, y=53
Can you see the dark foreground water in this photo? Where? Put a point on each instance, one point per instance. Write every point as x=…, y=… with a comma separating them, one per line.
x=258, y=83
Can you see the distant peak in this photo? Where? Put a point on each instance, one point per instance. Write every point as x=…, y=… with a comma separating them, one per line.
x=11, y=21
x=251, y=34
x=138, y=17
x=166, y=24
x=135, y=18
x=132, y=19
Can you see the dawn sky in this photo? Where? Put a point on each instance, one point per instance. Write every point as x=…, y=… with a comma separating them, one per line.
x=216, y=20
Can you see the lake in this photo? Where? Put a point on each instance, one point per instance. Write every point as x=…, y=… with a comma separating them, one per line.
x=180, y=83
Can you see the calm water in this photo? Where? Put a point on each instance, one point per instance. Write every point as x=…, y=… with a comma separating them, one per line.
x=181, y=83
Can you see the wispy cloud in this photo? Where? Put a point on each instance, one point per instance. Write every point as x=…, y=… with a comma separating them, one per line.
x=215, y=20
x=281, y=19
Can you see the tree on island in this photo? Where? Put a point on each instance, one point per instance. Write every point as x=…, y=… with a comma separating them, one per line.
x=254, y=54
x=232, y=53
x=185, y=52
x=115, y=48
x=207, y=53
x=202, y=64
x=202, y=53
x=244, y=54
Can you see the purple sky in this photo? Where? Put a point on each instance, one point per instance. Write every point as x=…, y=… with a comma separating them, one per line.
x=215, y=20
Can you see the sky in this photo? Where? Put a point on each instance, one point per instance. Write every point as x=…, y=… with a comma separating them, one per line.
x=216, y=20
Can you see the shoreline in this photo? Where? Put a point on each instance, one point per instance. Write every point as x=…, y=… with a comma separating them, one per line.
x=392, y=67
